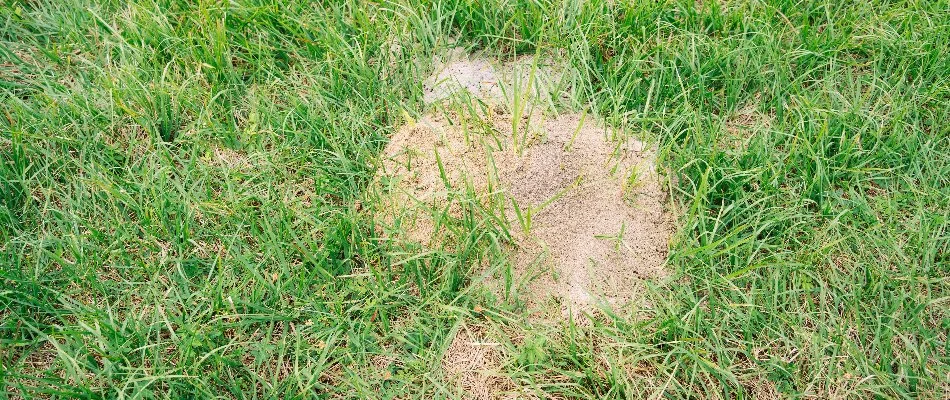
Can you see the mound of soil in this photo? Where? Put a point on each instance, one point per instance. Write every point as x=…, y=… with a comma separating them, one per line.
x=598, y=224
x=459, y=72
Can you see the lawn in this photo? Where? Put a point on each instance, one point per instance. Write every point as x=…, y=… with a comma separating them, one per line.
x=188, y=203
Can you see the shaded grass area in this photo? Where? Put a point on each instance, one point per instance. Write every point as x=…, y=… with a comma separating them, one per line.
x=182, y=206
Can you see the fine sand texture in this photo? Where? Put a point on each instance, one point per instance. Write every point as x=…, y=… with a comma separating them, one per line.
x=456, y=72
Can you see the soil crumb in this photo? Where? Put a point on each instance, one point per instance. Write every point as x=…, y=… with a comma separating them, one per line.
x=473, y=364
x=606, y=230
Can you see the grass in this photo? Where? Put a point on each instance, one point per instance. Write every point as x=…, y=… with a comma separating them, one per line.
x=183, y=209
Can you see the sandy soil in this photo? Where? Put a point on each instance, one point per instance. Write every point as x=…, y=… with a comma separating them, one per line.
x=456, y=71
x=598, y=225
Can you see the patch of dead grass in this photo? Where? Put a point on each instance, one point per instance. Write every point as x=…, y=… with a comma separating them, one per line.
x=742, y=125
x=473, y=364
x=223, y=157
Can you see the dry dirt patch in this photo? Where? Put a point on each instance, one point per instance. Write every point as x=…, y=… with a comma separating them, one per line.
x=458, y=72
x=455, y=72
x=608, y=230
x=598, y=226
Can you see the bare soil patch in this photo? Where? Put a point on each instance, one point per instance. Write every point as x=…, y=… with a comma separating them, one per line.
x=457, y=71
x=608, y=230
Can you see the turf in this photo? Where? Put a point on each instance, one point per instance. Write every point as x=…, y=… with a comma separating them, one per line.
x=184, y=213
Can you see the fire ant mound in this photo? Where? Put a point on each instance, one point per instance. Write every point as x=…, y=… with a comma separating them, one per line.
x=583, y=204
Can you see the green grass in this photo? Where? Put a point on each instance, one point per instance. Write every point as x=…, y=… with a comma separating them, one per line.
x=184, y=213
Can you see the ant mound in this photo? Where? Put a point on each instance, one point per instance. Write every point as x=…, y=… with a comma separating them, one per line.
x=585, y=211
x=458, y=72
x=582, y=204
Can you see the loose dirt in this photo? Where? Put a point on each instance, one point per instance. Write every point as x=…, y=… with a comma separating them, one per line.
x=598, y=225
x=608, y=230
x=456, y=72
